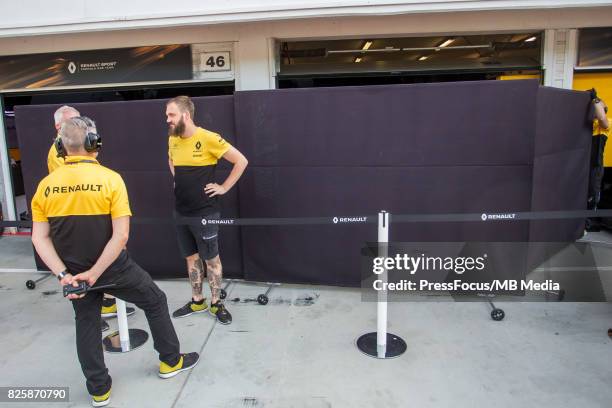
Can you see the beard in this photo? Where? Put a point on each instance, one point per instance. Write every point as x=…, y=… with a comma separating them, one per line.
x=178, y=129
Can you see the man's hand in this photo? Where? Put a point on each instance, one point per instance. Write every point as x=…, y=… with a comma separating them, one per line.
x=213, y=189
x=88, y=276
x=67, y=280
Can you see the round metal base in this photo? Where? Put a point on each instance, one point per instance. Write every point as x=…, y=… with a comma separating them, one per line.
x=112, y=344
x=395, y=345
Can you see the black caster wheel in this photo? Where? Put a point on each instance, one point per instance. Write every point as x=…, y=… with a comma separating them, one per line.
x=30, y=284
x=223, y=294
x=262, y=300
x=497, y=315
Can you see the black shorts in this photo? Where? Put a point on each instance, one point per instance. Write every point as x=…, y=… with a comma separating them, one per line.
x=199, y=239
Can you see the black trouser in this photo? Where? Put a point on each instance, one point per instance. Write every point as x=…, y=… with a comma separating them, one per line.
x=133, y=285
x=596, y=173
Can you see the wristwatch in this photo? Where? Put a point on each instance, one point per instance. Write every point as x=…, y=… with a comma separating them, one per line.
x=61, y=275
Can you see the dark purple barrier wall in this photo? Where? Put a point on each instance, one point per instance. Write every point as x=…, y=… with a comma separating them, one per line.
x=427, y=148
x=136, y=145
x=560, y=169
x=435, y=148
x=561, y=161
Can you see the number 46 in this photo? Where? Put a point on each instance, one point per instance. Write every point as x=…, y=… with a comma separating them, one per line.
x=216, y=62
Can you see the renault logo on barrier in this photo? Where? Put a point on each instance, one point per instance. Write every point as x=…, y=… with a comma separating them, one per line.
x=221, y=222
x=346, y=220
x=72, y=67
x=508, y=216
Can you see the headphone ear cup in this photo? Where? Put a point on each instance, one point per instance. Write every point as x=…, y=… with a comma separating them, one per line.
x=59, y=146
x=88, y=142
x=93, y=142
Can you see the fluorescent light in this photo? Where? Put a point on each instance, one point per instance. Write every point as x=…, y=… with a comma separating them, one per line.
x=423, y=58
x=447, y=43
x=367, y=45
x=358, y=59
x=530, y=39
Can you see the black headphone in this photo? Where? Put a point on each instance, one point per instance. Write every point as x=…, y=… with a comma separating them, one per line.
x=92, y=143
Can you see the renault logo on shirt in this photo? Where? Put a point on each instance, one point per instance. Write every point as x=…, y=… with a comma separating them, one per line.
x=72, y=189
x=198, y=151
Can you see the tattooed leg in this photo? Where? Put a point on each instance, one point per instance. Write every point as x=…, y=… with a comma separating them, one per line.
x=215, y=275
x=196, y=276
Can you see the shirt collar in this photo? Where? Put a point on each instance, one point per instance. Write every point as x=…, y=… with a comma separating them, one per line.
x=76, y=159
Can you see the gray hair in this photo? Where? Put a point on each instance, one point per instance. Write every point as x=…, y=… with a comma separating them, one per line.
x=73, y=132
x=60, y=114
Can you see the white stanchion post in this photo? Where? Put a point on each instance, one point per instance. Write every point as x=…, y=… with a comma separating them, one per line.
x=381, y=344
x=125, y=339
x=122, y=323
x=383, y=251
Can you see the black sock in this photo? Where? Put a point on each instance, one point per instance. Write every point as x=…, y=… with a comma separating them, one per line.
x=198, y=302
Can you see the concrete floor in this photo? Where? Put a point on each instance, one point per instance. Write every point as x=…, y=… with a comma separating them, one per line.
x=299, y=351
x=16, y=253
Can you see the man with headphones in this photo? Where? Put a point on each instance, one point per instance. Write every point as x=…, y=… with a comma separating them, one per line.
x=55, y=159
x=81, y=218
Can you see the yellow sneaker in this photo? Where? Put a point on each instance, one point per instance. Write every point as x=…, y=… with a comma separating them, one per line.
x=101, y=400
x=109, y=308
x=186, y=362
x=190, y=308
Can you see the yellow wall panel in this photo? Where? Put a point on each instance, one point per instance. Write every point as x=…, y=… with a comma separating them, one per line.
x=519, y=76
